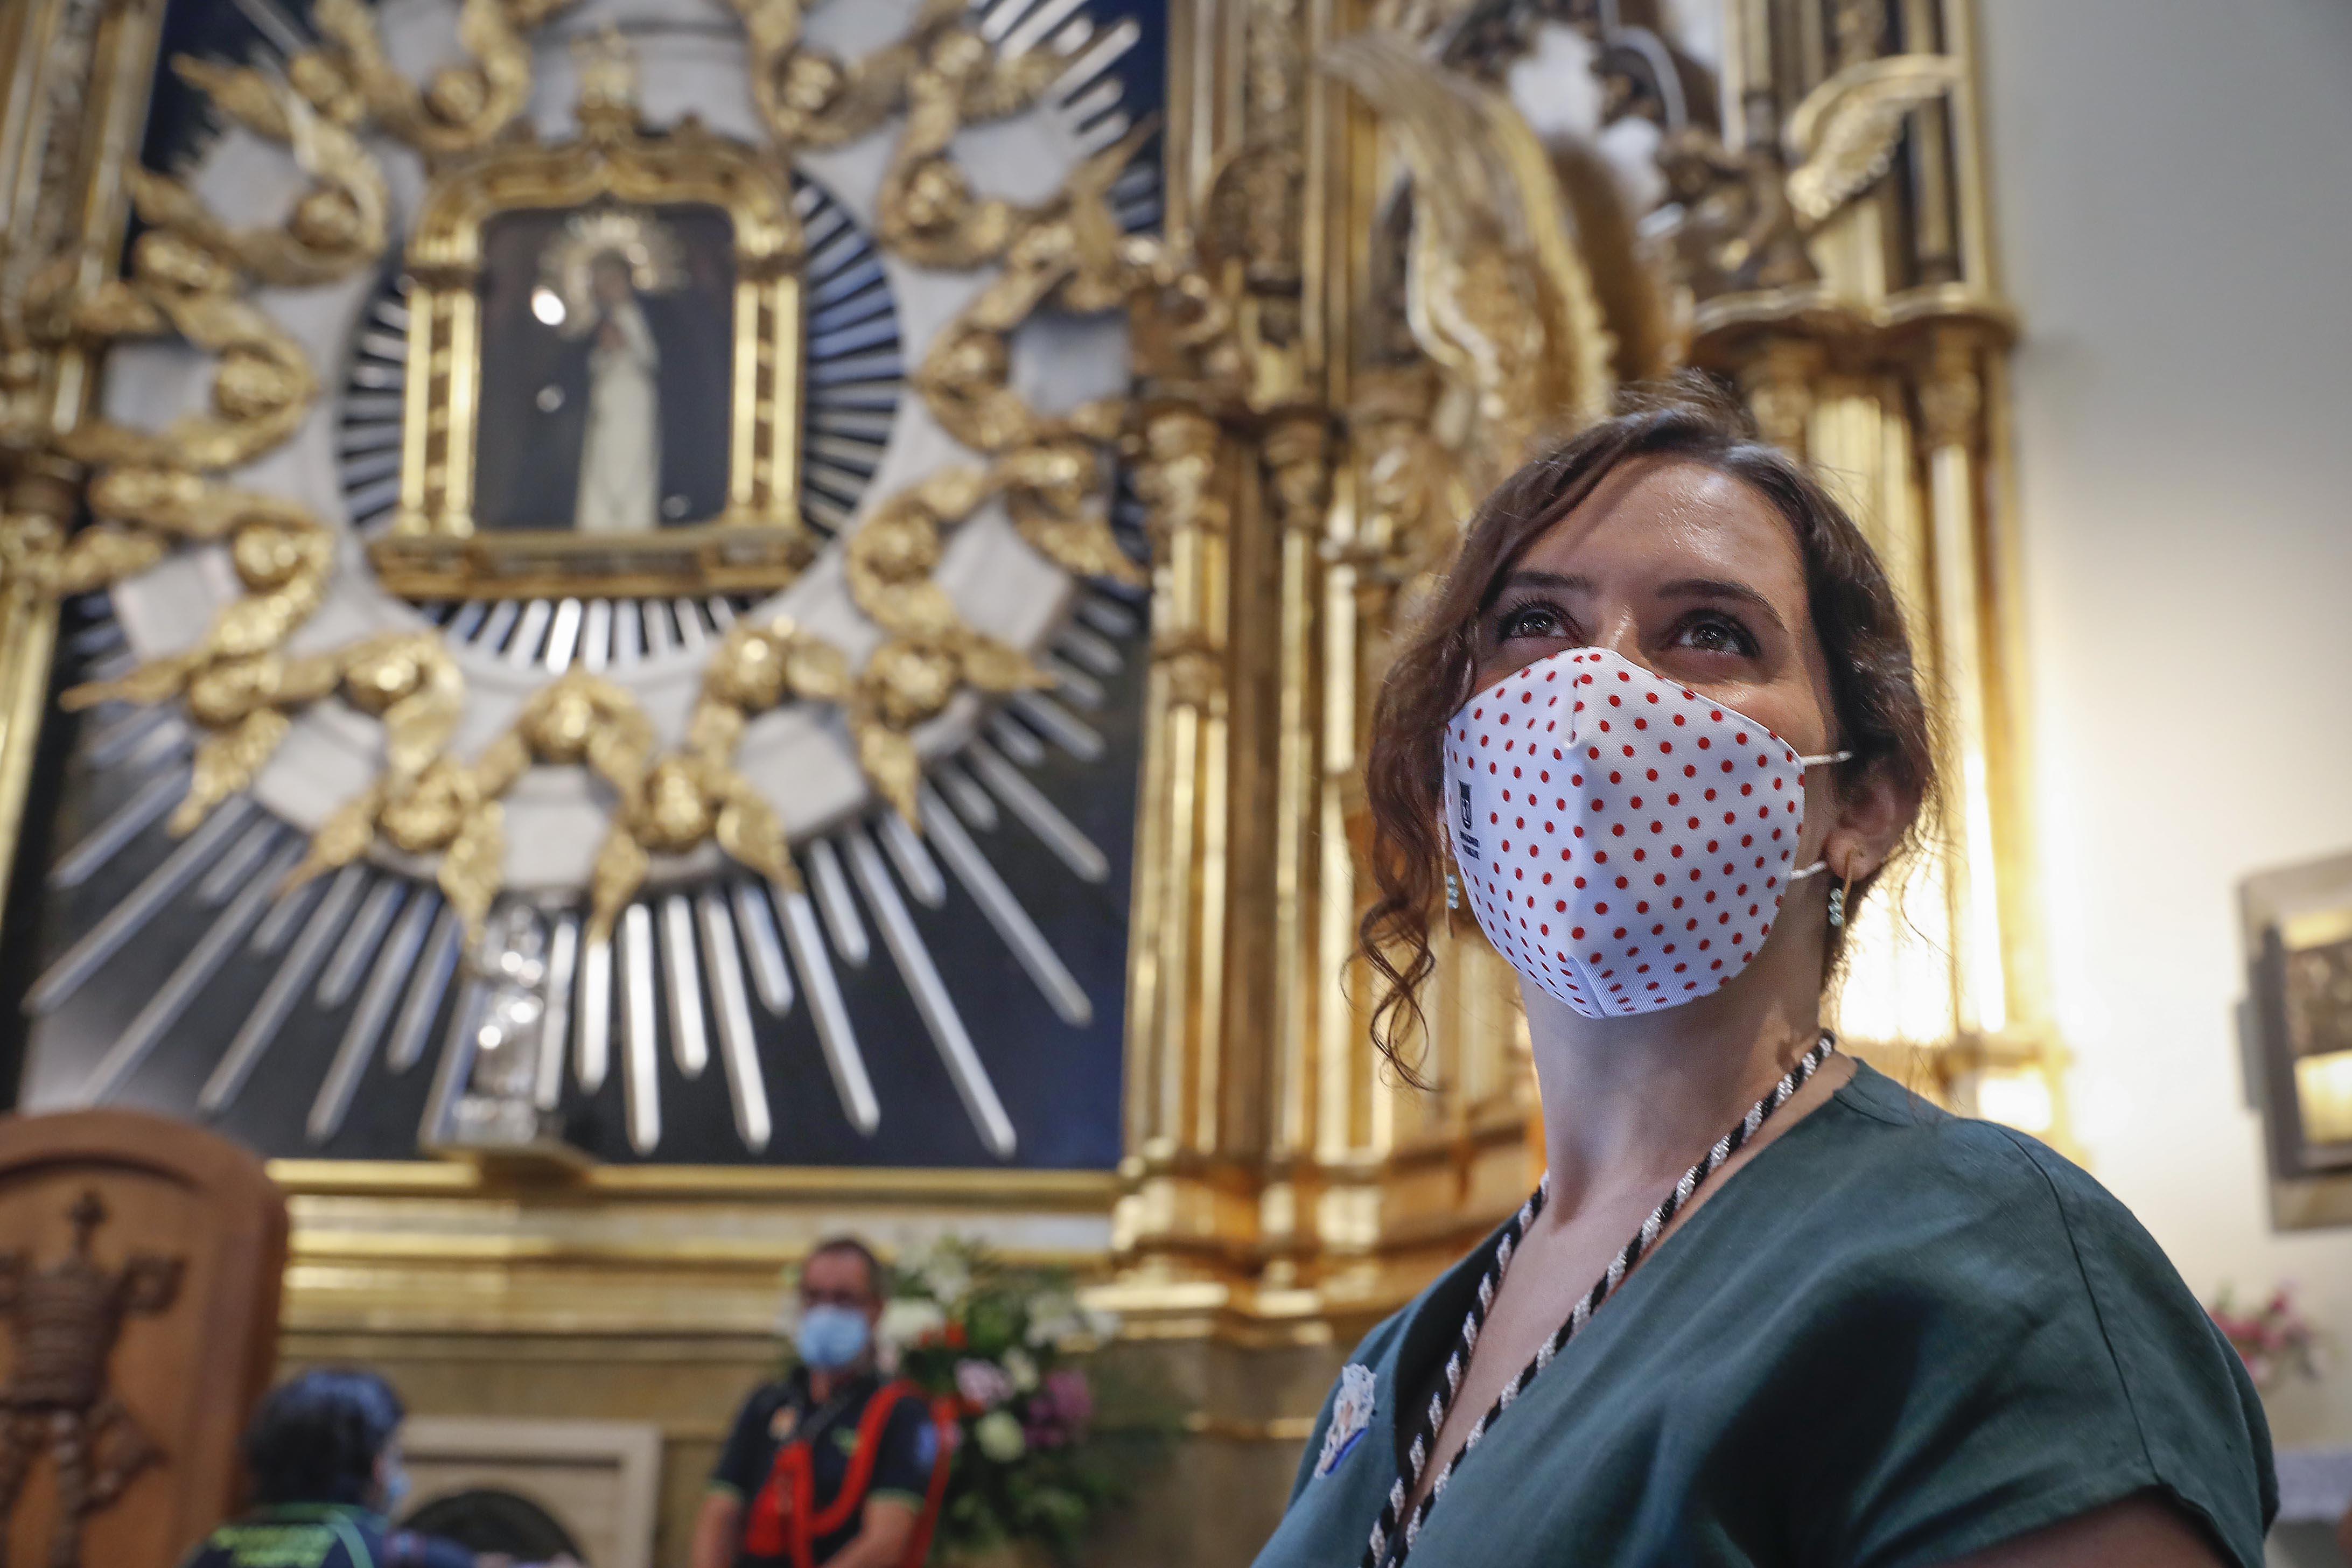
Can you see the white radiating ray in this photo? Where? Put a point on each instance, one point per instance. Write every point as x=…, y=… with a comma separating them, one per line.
x=1073, y=683
x=916, y=867
x=1091, y=648
x=342, y=971
x=125, y=919
x=1108, y=616
x=283, y=918
x=1021, y=37
x=407, y=1048
x=229, y=877
x=460, y=1045
x=501, y=620
x=393, y=964
x=755, y=918
x=641, y=1066
x=596, y=637
x=1061, y=726
x=691, y=635
x=285, y=988
x=120, y=738
x=564, y=636
x=737, y=1050
x=194, y=972
x=1005, y=912
x=1102, y=133
x=972, y=803
x=555, y=1021
x=690, y=1042
x=833, y=1035
x=1040, y=816
x=1019, y=744
x=932, y=999
x=840, y=910
x=661, y=635
x=523, y=650
x=130, y=819
x=629, y=634
x=593, y=1025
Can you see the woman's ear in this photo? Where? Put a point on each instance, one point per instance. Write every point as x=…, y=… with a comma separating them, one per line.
x=1874, y=812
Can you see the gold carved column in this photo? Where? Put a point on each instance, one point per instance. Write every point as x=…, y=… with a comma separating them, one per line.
x=1879, y=353
x=1279, y=1179
x=73, y=98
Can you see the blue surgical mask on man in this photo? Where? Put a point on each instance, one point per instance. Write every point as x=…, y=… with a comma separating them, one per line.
x=395, y=1487
x=831, y=1338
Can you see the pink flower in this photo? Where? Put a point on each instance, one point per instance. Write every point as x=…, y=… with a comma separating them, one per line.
x=1069, y=1397
x=982, y=1384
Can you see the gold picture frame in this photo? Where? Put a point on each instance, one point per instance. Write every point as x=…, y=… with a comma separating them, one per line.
x=617, y=174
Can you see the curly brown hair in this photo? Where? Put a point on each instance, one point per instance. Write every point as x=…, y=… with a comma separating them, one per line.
x=1882, y=718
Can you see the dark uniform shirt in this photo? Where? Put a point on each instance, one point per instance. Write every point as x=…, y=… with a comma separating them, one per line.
x=776, y=1413
x=322, y=1535
x=1895, y=1338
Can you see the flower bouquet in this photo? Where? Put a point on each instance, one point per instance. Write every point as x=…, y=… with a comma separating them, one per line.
x=1000, y=1342
x=2274, y=1340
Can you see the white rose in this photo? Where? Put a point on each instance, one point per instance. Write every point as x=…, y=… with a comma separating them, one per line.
x=906, y=1320
x=999, y=1436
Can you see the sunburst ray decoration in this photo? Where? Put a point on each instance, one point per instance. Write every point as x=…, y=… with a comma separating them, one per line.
x=380, y=942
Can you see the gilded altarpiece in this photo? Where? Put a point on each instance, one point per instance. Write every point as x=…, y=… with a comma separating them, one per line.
x=956, y=824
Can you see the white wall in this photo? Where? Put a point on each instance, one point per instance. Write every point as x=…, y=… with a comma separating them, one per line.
x=2173, y=184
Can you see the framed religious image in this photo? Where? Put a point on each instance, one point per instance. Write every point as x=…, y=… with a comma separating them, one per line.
x=604, y=385
x=604, y=356
x=2297, y=923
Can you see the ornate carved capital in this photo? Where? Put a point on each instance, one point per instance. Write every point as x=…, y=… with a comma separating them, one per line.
x=1951, y=398
x=1195, y=672
x=1778, y=384
x=1293, y=451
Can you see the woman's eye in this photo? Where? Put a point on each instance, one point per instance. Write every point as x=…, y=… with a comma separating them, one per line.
x=1532, y=621
x=1718, y=634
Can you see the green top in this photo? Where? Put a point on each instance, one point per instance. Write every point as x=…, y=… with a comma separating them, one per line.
x=1894, y=1338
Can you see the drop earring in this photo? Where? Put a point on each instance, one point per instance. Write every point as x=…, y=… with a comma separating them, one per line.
x=1837, y=907
x=1453, y=891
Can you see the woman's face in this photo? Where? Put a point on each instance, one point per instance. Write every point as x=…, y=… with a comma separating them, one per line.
x=1682, y=569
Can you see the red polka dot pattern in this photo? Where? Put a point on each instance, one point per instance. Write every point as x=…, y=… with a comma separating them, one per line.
x=1625, y=840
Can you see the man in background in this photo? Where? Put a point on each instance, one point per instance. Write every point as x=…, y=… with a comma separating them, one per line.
x=830, y=1464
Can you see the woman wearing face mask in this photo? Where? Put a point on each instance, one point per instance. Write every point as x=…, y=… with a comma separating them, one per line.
x=1660, y=731
x=831, y=1465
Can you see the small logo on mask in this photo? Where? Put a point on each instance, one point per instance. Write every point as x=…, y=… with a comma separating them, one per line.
x=1467, y=841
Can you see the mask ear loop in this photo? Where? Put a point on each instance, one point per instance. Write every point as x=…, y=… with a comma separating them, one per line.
x=1453, y=885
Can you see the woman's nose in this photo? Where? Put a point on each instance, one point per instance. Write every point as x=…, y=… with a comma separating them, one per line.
x=1617, y=634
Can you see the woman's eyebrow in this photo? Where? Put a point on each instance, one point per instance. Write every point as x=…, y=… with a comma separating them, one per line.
x=1721, y=588
x=1558, y=582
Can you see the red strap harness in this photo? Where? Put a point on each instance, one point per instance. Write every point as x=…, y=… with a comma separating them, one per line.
x=784, y=1519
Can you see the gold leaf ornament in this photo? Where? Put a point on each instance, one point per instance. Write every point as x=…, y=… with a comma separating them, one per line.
x=813, y=97
x=338, y=224
x=226, y=759
x=459, y=110
x=473, y=868
x=620, y=871
x=1843, y=137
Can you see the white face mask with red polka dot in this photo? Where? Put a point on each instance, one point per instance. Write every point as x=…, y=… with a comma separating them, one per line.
x=1625, y=840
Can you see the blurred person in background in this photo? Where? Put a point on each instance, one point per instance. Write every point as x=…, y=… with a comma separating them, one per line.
x=831, y=1464
x=324, y=1459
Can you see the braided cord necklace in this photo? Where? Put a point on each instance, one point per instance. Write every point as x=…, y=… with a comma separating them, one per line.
x=1416, y=1458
